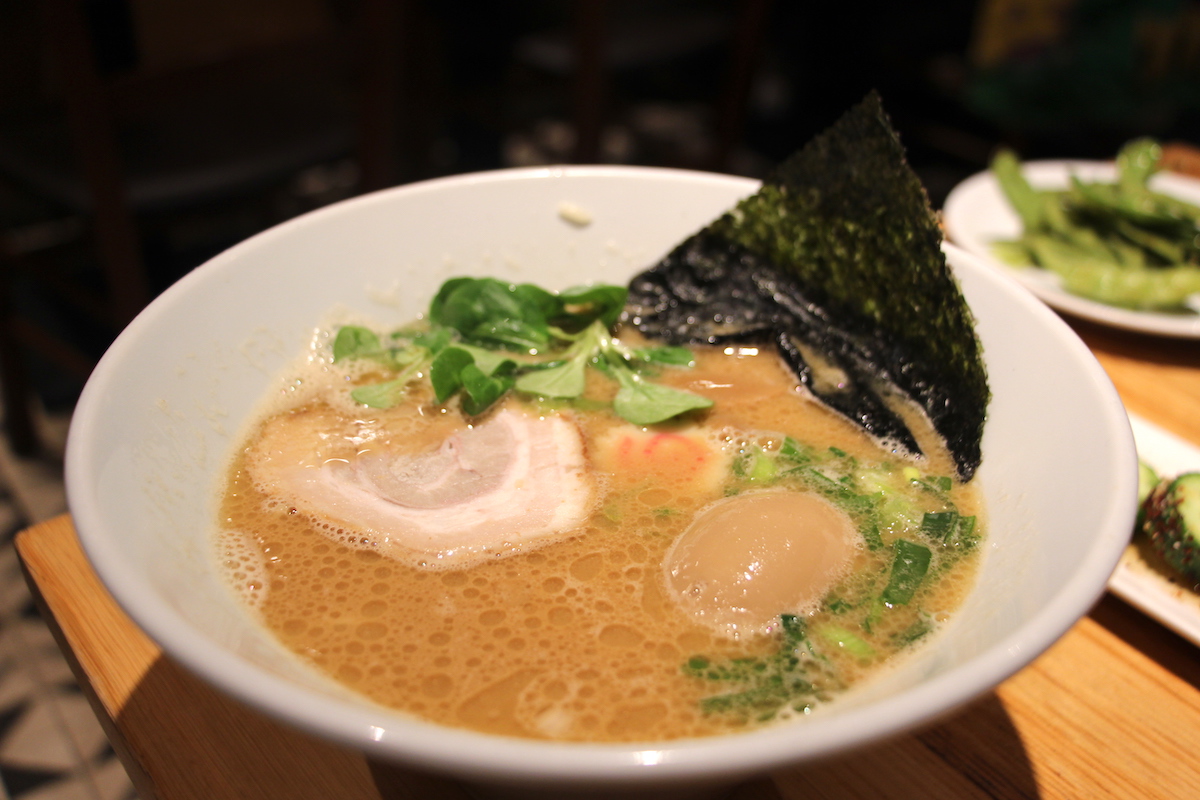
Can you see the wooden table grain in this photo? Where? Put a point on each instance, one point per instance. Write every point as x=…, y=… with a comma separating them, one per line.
x=1110, y=711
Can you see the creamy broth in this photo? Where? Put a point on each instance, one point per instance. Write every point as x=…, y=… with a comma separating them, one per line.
x=583, y=634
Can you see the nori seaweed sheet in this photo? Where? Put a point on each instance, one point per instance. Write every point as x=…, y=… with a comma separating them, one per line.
x=836, y=259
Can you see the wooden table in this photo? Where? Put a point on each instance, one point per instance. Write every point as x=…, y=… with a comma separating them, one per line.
x=1111, y=711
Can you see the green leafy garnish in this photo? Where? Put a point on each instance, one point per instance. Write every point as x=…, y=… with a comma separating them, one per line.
x=672, y=356
x=491, y=312
x=645, y=403
x=844, y=639
x=795, y=676
x=909, y=565
x=380, y=395
x=408, y=357
x=353, y=341
x=939, y=524
x=912, y=633
x=563, y=380
x=487, y=337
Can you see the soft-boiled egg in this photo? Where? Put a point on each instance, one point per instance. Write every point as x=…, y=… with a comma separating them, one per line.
x=747, y=559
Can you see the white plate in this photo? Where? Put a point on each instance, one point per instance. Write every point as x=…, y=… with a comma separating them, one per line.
x=976, y=214
x=1139, y=580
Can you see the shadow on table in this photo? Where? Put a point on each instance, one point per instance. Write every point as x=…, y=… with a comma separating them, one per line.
x=1149, y=637
x=974, y=754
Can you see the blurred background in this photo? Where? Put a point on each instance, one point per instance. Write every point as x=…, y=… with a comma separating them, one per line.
x=138, y=138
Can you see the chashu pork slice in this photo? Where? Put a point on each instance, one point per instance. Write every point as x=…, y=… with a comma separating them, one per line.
x=491, y=489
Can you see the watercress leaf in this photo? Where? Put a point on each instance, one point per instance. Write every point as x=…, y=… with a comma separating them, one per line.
x=380, y=395
x=498, y=299
x=671, y=356
x=408, y=331
x=448, y=289
x=563, y=380
x=445, y=371
x=490, y=311
x=405, y=357
x=603, y=366
x=481, y=390
x=592, y=340
x=515, y=334
x=491, y=362
x=537, y=303
x=466, y=303
x=597, y=301
x=432, y=340
x=644, y=403
x=354, y=341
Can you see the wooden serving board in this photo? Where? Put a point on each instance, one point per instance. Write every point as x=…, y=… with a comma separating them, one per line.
x=1111, y=711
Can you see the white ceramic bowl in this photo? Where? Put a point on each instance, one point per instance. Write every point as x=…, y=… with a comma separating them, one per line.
x=156, y=422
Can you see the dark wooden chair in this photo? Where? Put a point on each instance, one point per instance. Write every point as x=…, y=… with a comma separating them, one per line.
x=112, y=145
x=591, y=77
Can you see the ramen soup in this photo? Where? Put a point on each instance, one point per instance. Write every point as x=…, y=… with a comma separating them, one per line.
x=550, y=570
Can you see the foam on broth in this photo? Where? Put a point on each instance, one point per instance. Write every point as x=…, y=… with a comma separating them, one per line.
x=575, y=638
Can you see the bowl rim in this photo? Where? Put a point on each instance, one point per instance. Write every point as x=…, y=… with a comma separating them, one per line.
x=390, y=735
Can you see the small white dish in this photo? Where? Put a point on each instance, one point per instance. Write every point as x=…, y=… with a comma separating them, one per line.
x=1143, y=582
x=976, y=214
